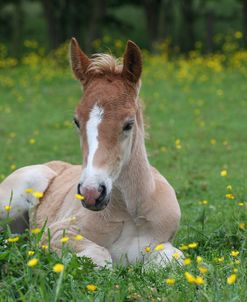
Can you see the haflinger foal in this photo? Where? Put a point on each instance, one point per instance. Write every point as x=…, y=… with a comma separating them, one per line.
x=128, y=212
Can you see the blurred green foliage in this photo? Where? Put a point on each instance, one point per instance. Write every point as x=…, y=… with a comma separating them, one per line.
x=184, y=23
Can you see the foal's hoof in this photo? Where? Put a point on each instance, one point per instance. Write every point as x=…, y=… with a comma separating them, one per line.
x=167, y=256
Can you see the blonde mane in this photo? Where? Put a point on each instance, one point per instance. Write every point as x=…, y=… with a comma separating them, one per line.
x=105, y=63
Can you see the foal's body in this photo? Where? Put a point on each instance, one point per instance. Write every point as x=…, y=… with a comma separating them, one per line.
x=142, y=209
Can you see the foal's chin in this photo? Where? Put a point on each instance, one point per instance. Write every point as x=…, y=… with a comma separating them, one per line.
x=99, y=206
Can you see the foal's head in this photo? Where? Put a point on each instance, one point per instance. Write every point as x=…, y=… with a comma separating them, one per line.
x=106, y=118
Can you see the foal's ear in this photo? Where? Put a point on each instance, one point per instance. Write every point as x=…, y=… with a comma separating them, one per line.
x=132, y=62
x=78, y=60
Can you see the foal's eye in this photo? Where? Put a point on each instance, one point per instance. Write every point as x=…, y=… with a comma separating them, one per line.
x=76, y=122
x=128, y=126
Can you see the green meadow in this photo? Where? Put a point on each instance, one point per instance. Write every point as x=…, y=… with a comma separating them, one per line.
x=196, y=122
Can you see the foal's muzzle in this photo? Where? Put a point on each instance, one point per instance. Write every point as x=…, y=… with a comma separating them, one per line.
x=95, y=199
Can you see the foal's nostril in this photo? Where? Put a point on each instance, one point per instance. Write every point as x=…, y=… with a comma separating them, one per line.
x=79, y=189
x=94, y=198
x=102, y=190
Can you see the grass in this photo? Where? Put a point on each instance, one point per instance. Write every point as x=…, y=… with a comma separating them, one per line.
x=196, y=120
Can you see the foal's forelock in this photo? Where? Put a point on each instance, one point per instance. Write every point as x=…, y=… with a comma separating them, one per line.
x=104, y=63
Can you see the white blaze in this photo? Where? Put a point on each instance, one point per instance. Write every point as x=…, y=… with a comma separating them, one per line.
x=95, y=117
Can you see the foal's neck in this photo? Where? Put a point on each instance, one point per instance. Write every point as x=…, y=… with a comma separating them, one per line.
x=136, y=181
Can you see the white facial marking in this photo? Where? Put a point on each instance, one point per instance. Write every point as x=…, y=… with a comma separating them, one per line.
x=93, y=176
x=93, y=122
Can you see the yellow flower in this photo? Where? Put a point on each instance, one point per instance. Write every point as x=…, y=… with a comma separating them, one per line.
x=170, y=281
x=64, y=239
x=178, y=144
x=203, y=269
x=38, y=194
x=58, y=268
x=12, y=135
x=36, y=231
x=187, y=261
x=231, y=279
x=193, y=245
x=199, y=259
x=147, y=249
x=223, y=173
x=176, y=255
x=7, y=208
x=13, y=239
x=29, y=190
x=229, y=188
x=183, y=247
x=204, y=202
x=79, y=197
x=44, y=247
x=30, y=253
x=32, y=262
x=78, y=237
x=189, y=277
x=213, y=141
x=118, y=43
x=159, y=247
x=32, y=141
x=13, y=167
x=237, y=262
x=242, y=226
x=234, y=253
x=220, y=259
x=199, y=280
x=235, y=270
x=230, y=196
x=241, y=204
x=91, y=287
x=238, y=35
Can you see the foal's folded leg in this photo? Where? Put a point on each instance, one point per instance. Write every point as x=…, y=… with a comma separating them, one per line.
x=14, y=200
x=80, y=245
